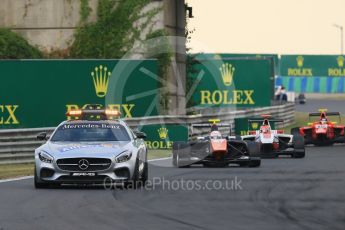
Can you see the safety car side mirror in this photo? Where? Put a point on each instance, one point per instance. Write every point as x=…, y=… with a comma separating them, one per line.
x=140, y=135
x=42, y=136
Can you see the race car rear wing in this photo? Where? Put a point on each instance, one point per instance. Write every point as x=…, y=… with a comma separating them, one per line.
x=201, y=125
x=327, y=114
x=261, y=120
x=270, y=120
x=205, y=125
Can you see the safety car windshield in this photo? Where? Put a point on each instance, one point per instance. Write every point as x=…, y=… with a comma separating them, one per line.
x=90, y=132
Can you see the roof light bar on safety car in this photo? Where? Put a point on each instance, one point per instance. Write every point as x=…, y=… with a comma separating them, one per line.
x=91, y=114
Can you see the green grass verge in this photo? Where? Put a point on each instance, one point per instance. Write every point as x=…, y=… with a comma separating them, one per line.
x=16, y=170
x=19, y=170
x=158, y=153
x=301, y=119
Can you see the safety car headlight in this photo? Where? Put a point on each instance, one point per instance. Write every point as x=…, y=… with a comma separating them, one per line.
x=124, y=156
x=45, y=157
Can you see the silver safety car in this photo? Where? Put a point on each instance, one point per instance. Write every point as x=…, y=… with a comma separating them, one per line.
x=93, y=147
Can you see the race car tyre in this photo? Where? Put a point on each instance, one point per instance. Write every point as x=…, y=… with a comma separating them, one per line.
x=174, y=159
x=254, y=151
x=253, y=148
x=269, y=155
x=215, y=165
x=299, y=146
x=254, y=163
x=298, y=155
x=181, y=164
x=295, y=131
x=39, y=185
x=243, y=164
x=250, y=164
x=176, y=148
x=177, y=153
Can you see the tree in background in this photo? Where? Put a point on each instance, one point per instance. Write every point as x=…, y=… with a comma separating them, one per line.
x=13, y=46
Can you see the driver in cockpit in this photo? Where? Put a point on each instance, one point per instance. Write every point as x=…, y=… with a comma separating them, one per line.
x=323, y=121
x=265, y=129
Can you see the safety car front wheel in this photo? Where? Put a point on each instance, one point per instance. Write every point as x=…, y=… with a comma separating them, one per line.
x=139, y=177
x=38, y=184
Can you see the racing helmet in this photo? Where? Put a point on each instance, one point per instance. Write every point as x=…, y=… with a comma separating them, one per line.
x=264, y=129
x=215, y=135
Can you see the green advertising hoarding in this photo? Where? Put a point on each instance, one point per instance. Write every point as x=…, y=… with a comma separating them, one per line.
x=162, y=136
x=275, y=57
x=38, y=93
x=312, y=65
x=231, y=82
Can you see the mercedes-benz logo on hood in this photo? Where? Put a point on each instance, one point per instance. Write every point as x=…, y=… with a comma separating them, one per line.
x=83, y=164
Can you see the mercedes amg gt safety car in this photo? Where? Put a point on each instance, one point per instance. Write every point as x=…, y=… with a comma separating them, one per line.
x=95, y=146
x=215, y=149
x=274, y=142
x=323, y=131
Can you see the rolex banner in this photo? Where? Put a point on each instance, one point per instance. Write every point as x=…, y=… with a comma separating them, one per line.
x=161, y=136
x=312, y=66
x=274, y=57
x=38, y=93
x=233, y=82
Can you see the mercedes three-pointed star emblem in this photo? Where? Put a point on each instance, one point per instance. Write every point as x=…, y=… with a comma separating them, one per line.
x=83, y=164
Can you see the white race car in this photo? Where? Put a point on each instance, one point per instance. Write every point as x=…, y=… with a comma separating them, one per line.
x=274, y=142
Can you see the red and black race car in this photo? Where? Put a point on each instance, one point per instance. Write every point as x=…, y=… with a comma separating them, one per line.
x=215, y=149
x=323, y=131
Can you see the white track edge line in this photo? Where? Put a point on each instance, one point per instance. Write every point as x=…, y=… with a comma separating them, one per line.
x=16, y=179
x=160, y=159
x=30, y=177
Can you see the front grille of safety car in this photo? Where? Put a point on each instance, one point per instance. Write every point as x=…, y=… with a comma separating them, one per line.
x=94, y=164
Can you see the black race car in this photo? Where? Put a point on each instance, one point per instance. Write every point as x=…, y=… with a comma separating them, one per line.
x=215, y=150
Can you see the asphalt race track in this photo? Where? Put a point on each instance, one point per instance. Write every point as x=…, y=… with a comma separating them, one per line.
x=313, y=105
x=283, y=194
